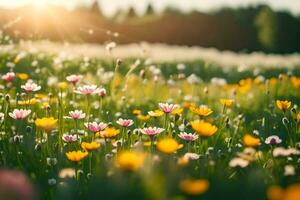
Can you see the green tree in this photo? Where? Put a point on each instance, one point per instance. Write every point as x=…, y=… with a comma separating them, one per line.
x=266, y=23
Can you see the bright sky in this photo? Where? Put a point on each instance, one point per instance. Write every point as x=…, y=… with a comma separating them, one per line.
x=109, y=7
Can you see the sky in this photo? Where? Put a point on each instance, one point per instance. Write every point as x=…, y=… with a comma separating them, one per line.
x=109, y=7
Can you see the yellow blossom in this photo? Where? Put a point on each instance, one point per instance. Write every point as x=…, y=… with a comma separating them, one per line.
x=275, y=193
x=46, y=123
x=109, y=132
x=251, y=141
x=23, y=76
x=28, y=102
x=177, y=111
x=298, y=117
x=203, y=128
x=143, y=117
x=130, y=160
x=76, y=156
x=156, y=113
x=283, y=105
x=62, y=85
x=90, y=146
x=201, y=111
x=168, y=145
x=292, y=192
x=194, y=187
x=226, y=102
x=136, y=112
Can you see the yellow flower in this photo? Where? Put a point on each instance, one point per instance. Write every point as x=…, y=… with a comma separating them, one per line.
x=62, y=85
x=203, y=128
x=275, y=193
x=130, y=160
x=143, y=117
x=136, y=112
x=109, y=132
x=194, y=187
x=46, y=123
x=251, y=141
x=283, y=105
x=28, y=102
x=292, y=192
x=295, y=81
x=76, y=156
x=227, y=102
x=298, y=117
x=90, y=146
x=183, y=161
x=156, y=113
x=168, y=145
x=22, y=76
x=201, y=111
x=177, y=111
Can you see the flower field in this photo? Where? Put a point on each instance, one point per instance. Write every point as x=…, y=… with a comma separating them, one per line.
x=90, y=128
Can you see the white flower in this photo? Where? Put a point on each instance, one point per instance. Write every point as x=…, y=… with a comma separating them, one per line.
x=87, y=90
x=274, y=139
x=280, y=151
x=289, y=170
x=238, y=162
x=31, y=87
x=124, y=122
x=191, y=156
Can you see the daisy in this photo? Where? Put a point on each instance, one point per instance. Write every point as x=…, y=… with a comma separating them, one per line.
x=274, y=139
x=76, y=114
x=124, y=122
x=151, y=131
x=9, y=76
x=87, y=90
x=95, y=127
x=74, y=78
x=19, y=114
x=167, y=108
x=31, y=87
x=188, y=136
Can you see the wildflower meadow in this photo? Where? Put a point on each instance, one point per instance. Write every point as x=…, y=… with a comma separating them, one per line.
x=86, y=128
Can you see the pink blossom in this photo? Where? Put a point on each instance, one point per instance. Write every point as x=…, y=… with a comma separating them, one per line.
x=151, y=131
x=188, y=136
x=74, y=78
x=87, y=90
x=102, y=92
x=19, y=114
x=95, y=127
x=31, y=87
x=10, y=76
x=124, y=122
x=76, y=114
x=69, y=138
x=167, y=108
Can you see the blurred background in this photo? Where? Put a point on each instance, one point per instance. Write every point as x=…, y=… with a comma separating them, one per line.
x=271, y=26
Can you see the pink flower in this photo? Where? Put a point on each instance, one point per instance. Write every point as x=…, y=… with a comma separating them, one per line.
x=19, y=114
x=87, y=89
x=69, y=138
x=74, y=78
x=167, y=108
x=76, y=114
x=31, y=87
x=10, y=76
x=188, y=136
x=102, y=92
x=274, y=139
x=95, y=127
x=151, y=131
x=124, y=122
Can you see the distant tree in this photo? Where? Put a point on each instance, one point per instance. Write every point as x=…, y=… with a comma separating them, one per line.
x=131, y=13
x=95, y=8
x=266, y=22
x=149, y=9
